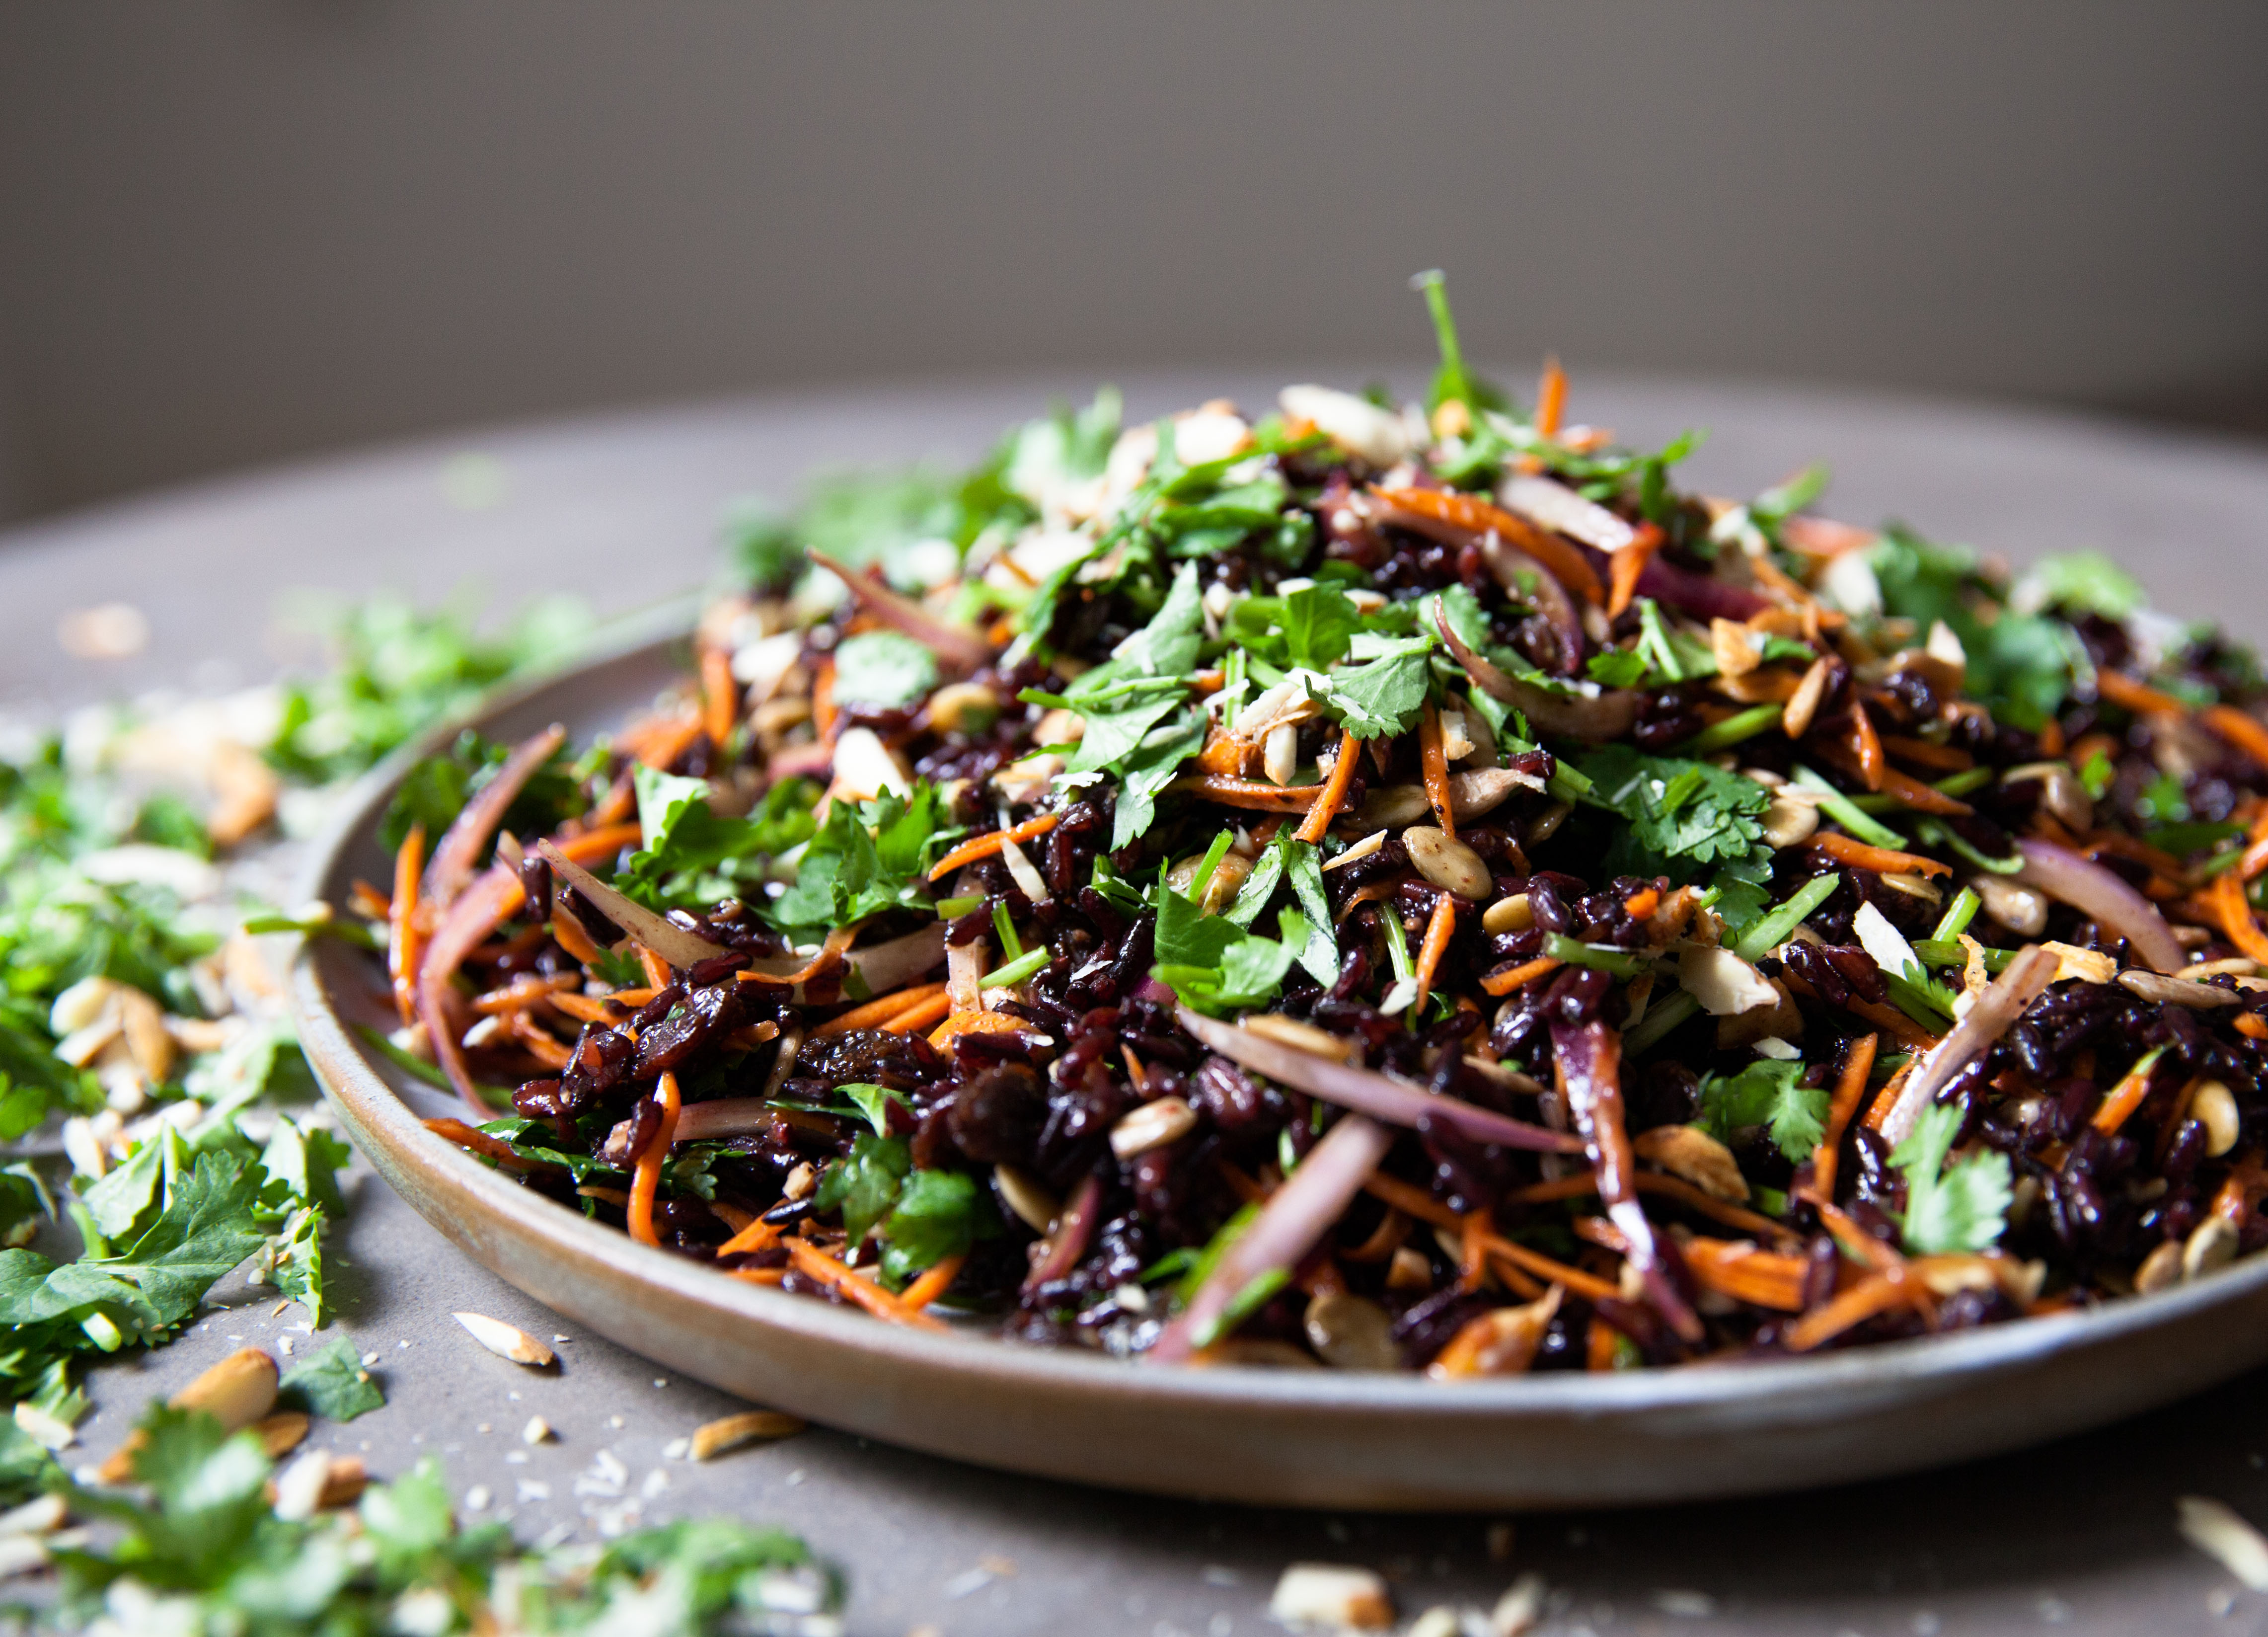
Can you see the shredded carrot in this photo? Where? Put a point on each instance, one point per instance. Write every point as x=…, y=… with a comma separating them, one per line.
x=1887, y=1098
x=2251, y=1026
x=2051, y=737
x=1544, y=1267
x=670, y=742
x=1376, y=892
x=1877, y=1293
x=405, y=949
x=985, y=846
x=521, y=994
x=757, y=1236
x=1641, y=904
x=367, y=902
x=1653, y=1183
x=1566, y=564
x=2234, y=913
x=616, y=806
x=1551, y=399
x=919, y=1019
x=1326, y=807
x=1944, y=758
x=1919, y=797
x=1518, y=976
x=822, y=698
x=1600, y=1346
x=1849, y=1087
x=1627, y=567
x=1413, y=1201
x=1867, y=747
x=973, y=1023
x=1891, y=1022
x=1225, y=753
x=814, y=1264
x=758, y=1275
x=1434, y=762
x=875, y=1013
x=480, y=1142
x=1882, y=861
x=719, y=695
x=2128, y=695
x=1765, y=1278
x=1244, y=793
x=645, y=1180
x=568, y=933
x=1384, y=1240
x=2256, y=850
x=1472, y=1254
x=545, y=1049
x=933, y=1283
x=1439, y=931
x=656, y=968
x=2125, y=1096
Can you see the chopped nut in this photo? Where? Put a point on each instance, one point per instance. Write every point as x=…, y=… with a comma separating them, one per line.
x=1352, y=1333
x=297, y=1490
x=2088, y=966
x=1222, y=888
x=1735, y=648
x=2214, y=1107
x=1789, y=821
x=864, y=767
x=1279, y=754
x=2177, y=991
x=1362, y=849
x=507, y=1341
x=538, y=1431
x=344, y=1481
x=2021, y=909
x=1724, y=985
x=1795, y=718
x=1508, y=914
x=1448, y=864
x=1026, y=1197
x=2210, y=1248
x=964, y=707
x=49, y=1431
x=1689, y=1152
x=1409, y=1269
x=34, y=1517
x=1520, y=1610
x=281, y=1432
x=2161, y=1270
x=1290, y=1031
x=237, y=1392
x=730, y=1431
x=1332, y=1596
x=1152, y=1126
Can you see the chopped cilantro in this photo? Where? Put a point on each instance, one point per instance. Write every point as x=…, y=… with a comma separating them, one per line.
x=332, y=1382
x=883, y=667
x=1212, y=963
x=1683, y=815
x=1964, y=1207
x=1770, y=1094
x=867, y=858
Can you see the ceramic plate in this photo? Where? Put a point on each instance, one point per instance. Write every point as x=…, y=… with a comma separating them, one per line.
x=1289, y=1437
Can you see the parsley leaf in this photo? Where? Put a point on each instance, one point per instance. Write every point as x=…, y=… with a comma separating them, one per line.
x=1963, y=1208
x=1767, y=1092
x=1384, y=696
x=332, y=1383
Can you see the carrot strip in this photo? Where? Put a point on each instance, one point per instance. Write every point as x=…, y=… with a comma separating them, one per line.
x=1225, y=753
x=1243, y=793
x=656, y=968
x=1867, y=746
x=1518, y=976
x=933, y=1283
x=814, y=1264
x=922, y=1017
x=1600, y=1346
x=1944, y=758
x=822, y=698
x=1472, y=1252
x=1764, y=1278
x=1551, y=399
x=973, y=1023
x=1882, y=861
x=2128, y=695
x=404, y=950
x=875, y=1013
x=2251, y=1026
x=1919, y=797
x=1628, y=565
x=719, y=697
x=1892, y=1023
x=757, y=1236
x=1412, y=1201
x=1439, y=931
x=1877, y=1293
x=985, y=846
x=757, y=1275
x=1544, y=1267
x=1566, y=564
x=1326, y=806
x=521, y=994
x=645, y=1180
x=1641, y=905
x=367, y=902
x=669, y=742
x=2234, y=913
x=1887, y=1098
x=2125, y=1096
x=1849, y=1087
x=1435, y=762
x=1650, y=1183
x=550, y=1052
x=478, y=1142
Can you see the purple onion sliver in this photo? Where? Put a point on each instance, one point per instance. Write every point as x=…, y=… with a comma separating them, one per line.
x=2095, y=891
x=2003, y=1001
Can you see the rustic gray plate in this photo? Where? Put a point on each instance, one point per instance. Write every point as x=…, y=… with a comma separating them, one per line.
x=1298, y=1438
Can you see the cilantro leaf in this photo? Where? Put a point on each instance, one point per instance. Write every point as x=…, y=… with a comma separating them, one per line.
x=863, y=1185
x=1963, y=1208
x=1319, y=622
x=1144, y=772
x=937, y=1215
x=1383, y=697
x=1767, y=1092
x=332, y=1383
x=694, y=855
x=1212, y=963
x=867, y=858
x=1299, y=864
x=1683, y=815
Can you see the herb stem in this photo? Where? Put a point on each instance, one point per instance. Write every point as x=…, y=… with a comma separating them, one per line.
x=1723, y=735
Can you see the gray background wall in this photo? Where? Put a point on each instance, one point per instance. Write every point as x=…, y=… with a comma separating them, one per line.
x=232, y=232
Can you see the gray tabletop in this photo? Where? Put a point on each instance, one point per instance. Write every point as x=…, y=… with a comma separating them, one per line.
x=2078, y=1536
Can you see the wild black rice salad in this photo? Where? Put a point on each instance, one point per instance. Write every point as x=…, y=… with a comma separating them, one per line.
x=1399, y=887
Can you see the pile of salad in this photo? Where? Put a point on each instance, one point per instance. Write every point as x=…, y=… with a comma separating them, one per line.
x=1375, y=885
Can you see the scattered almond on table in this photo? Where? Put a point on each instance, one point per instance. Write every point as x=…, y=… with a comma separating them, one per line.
x=750, y=1426
x=508, y=1341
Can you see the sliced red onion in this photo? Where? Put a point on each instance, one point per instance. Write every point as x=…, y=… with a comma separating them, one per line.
x=1991, y=1016
x=1511, y=567
x=458, y=853
x=879, y=969
x=665, y=937
x=1593, y=718
x=1697, y=593
x=727, y=1117
x=2097, y=892
x=1366, y=1092
x=1296, y=1216
x=1589, y=1059
x=493, y=894
x=955, y=645
x=1551, y=503
x=799, y=760
x=1072, y=1230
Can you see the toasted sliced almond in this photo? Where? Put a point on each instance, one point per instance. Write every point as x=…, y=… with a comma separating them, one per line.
x=34, y=1517
x=1362, y=849
x=49, y=1432
x=507, y=1341
x=1724, y=985
x=281, y=1432
x=1689, y=1152
x=343, y=1482
x=1290, y=1031
x=1026, y=1197
x=714, y=1438
x=1738, y=652
x=1332, y=1596
x=297, y=1490
x=237, y=1392
x=2088, y=966
x=1796, y=716
x=2215, y=1529
x=1154, y=1124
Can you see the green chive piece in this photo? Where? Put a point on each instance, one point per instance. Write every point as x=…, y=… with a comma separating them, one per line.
x=1016, y=971
x=1730, y=732
x=1773, y=929
x=1846, y=812
x=1958, y=914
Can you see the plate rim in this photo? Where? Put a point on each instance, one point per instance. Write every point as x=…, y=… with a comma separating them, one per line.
x=351, y=1080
